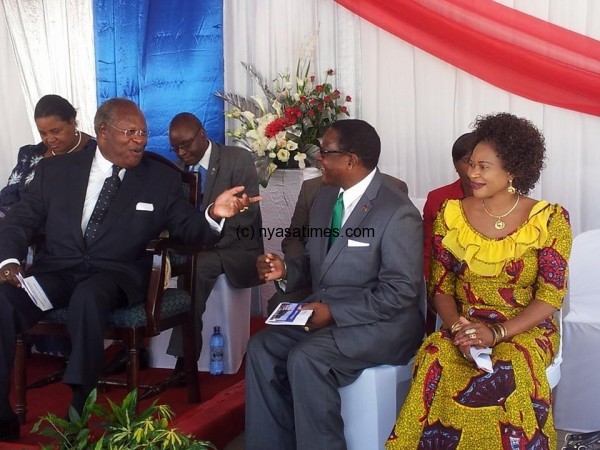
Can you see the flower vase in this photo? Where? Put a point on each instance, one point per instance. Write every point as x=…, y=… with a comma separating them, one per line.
x=277, y=206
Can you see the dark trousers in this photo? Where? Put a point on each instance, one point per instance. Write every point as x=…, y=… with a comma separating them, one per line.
x=89, y=296
x=208, y=269
x=292, y=397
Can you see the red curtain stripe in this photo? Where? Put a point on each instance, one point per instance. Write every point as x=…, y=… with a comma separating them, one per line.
x=505, y=47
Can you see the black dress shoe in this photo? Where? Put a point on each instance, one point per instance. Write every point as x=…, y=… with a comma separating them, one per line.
x=10, y=429
x=118, y=364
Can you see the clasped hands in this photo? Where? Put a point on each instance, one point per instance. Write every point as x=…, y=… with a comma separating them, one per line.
x=229, y=204
x=471, y=334
x=271, y=267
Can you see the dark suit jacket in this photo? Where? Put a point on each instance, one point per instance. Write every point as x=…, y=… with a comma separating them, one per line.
x=241, y=242
x=292, y=245
x=373, y=290
x=55, y=198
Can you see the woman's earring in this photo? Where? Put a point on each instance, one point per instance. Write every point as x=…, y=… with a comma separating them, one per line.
x=511, y=189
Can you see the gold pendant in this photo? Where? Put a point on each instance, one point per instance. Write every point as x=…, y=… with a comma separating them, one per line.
x=499, y=225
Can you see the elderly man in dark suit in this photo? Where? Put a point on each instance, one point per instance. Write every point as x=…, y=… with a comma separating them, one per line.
x=99, y=208
x=220, y=167
x=365, y=295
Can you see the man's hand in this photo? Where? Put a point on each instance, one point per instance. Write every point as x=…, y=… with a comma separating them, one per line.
x=8, y=274
x=228, y=204
x=321, y=316
x=270, y=267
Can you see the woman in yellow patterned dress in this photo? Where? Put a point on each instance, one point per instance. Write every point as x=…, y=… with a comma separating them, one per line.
x=498, y=274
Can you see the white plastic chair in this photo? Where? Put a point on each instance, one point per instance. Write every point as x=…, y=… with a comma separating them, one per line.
x=371, y=404
x=577, y=396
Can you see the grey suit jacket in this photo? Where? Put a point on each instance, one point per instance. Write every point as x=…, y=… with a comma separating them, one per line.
x=373, y=291
x=294, y=244
x=241, y=242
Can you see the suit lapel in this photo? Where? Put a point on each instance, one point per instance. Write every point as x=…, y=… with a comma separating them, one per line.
x=359, y=213
x=213, y=170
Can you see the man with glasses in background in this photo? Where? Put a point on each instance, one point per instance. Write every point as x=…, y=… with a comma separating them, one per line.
x=219, y=167
x=99, y=208
x=366, y=288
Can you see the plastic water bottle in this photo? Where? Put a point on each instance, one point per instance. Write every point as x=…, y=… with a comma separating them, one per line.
x=216, y=352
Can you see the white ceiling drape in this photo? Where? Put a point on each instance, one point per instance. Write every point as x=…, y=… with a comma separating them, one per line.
x=418, y=103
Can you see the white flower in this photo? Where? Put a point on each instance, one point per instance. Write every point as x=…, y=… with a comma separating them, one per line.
x=248, y=115
x=297, y=97
x=300, y=82
x=300, y=157
x=291, y=146
x=288, y=85
x=259, y=101
x=272, y=155
x=271, y=145
x=252, y=134
x=277, y=107
x=283, y=155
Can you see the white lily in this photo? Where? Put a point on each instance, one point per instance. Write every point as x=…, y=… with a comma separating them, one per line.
x=291, y=146
x=253, y=134
x=259, y=101
x=277, y=107
x=248, y=115
x=301, y=158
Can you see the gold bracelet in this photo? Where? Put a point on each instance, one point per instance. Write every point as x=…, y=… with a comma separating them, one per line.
x=494, y=336
x=499, y=332
x=456, y=327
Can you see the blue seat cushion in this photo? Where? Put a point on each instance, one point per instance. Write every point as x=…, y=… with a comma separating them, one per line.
x=175, y=301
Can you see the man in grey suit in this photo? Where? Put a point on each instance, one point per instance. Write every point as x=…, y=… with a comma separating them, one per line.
x=90, y=261
x=294, y=244
x=365, y=296
x=219, y=167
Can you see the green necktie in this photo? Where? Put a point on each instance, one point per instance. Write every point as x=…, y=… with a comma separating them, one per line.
x=336, y=218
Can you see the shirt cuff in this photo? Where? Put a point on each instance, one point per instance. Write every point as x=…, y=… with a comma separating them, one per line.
x=9, y=261
x=218, y=227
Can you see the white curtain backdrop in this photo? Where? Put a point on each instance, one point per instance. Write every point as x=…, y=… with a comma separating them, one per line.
x=16, y=130
x=418, y=103
x=53, y=41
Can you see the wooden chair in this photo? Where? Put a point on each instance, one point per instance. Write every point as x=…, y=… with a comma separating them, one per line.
x=162, y=310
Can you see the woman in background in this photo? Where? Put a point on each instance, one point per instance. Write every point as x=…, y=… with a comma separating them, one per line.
x=56, y=122
x=498, y=274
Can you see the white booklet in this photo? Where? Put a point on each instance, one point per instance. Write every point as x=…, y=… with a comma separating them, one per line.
x=289, y=314
x=35, y=292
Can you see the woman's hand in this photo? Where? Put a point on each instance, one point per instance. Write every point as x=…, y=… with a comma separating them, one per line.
x=476, y=334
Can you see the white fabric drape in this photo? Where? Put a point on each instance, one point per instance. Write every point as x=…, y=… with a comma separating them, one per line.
x=16, y=130
x=418, y=104
x=45, y=67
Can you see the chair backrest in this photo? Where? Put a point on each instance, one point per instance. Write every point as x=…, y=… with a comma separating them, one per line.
x=584, y=279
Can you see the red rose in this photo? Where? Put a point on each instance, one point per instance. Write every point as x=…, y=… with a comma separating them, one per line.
x=327, y=99
x=344, y=109
x=330, y=72
x=319, y=88
x=348, y=98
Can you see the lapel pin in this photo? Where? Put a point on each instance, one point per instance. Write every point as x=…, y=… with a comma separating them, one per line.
x=365, y=208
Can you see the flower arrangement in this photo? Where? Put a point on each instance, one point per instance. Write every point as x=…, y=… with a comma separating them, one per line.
x=284, y=131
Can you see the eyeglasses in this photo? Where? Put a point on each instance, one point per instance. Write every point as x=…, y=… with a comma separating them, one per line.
x=185, y=146
x=324, y=152
x=130, y=132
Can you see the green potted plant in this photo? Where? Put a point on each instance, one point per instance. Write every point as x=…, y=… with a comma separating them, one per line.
x=120, y=427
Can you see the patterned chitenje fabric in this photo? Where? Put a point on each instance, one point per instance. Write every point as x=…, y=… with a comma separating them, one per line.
x=167, y=57
x=454, y=405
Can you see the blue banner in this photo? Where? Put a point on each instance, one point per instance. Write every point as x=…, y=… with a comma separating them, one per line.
x=165, y=55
